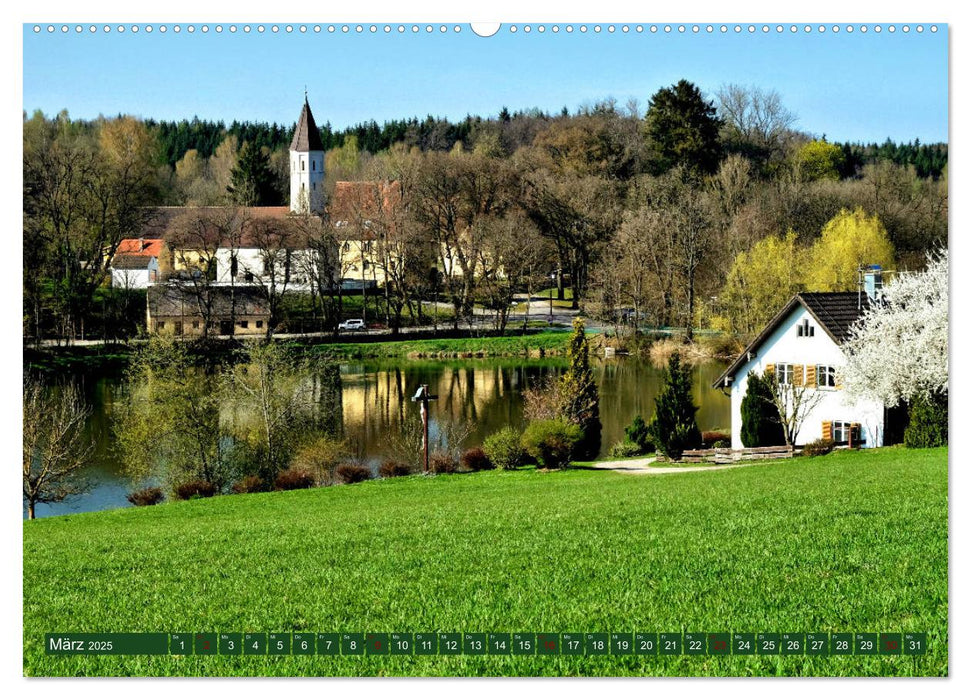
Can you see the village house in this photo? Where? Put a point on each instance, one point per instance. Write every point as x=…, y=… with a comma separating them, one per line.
x=181, y=309
x=135, y=264
x=803, y=348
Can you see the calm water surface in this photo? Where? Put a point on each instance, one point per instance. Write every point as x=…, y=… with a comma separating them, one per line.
x=483, y=395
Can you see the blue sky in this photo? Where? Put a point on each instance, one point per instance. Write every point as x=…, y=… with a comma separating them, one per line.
x=859, y=87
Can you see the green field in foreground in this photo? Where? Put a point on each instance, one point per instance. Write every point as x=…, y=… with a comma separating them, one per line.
x=853, y=541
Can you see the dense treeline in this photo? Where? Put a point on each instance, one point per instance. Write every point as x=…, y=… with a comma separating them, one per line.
x=691, y=212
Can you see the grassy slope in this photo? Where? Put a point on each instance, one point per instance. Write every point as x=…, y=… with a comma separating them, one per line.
x=847, y=542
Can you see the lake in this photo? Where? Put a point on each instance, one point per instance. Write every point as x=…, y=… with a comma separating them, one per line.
x=483, y=395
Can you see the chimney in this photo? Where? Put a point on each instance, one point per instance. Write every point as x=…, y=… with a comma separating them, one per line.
x=141, y=243
x=873, y=282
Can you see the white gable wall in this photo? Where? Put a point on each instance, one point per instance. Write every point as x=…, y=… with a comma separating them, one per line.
x=784, y=345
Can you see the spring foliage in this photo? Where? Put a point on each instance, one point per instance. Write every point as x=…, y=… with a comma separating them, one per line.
x=898, y=350
x=674, y=427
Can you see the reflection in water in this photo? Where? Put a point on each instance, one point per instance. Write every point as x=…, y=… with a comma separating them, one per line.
x=375, y=401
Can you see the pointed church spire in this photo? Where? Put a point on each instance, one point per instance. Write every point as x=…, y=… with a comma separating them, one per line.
x=306, y=137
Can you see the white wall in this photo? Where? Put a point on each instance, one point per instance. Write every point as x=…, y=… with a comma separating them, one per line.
x=786, y=346
x=250, y=260
x=135, y=279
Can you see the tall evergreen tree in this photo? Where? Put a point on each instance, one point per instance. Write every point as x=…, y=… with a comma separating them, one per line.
x=682, y=129
x=252, y=179
x=761, y=426
x=674, y=427
x=580, y=392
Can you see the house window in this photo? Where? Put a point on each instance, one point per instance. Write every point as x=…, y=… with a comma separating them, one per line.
x=841, y=431
x=233, y=267
x=159, y=325
x=303, y=164
x=805, y=329
x=313, y=165
x=248, y=276
x=259, y=324
x=195, y=324
x=244, y=324
x=825, y=376
x=784, y=373
x=178, y=327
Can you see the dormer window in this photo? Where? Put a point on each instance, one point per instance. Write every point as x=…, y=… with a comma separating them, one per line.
x=805, y=329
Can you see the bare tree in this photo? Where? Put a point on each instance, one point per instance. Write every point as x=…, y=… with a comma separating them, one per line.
x=54, y=445
x=279, y=245
x=794, y=400
x=756, y=121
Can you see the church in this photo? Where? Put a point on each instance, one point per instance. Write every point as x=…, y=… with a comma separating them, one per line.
x=273, y=248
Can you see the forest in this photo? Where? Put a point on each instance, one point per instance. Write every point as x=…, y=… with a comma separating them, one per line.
x=692, y=211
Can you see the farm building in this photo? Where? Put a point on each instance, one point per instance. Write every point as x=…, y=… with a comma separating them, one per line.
x=185, y=309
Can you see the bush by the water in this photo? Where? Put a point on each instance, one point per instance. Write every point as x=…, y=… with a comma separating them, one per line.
x=294, y=478
x=505, y=448
x=552, y=442
x=639, y=433
x=249, y=484
x=195, y=489
x=674, y=428
x=928, y=422
x=392, y=467
x=817, y=448
x=321, y=457
x=150, y=496
x=625, y=448
x=352, y=473
x=442, y=463
x=475, y=459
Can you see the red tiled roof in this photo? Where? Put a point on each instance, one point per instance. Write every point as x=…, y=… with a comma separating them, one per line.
x=149, y=247
x=354, y=200
x=170, y=223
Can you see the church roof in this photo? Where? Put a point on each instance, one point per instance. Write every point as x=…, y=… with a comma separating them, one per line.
x=306, y=137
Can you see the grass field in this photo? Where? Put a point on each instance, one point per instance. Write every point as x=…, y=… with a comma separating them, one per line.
x=853, y=541
x=545, y=343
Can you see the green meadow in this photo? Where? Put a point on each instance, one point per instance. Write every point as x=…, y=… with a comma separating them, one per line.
x=848, y=542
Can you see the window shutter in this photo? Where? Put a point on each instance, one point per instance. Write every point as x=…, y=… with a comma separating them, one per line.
x=797, y=377
x=839, y=380
x=811, y=375
x=855, y=436
x=770, y=369
x=827, y=430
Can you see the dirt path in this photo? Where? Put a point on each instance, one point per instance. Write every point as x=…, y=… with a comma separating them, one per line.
x=643, y=466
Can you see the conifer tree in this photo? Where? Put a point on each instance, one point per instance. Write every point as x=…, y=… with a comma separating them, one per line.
x=761, y=426
x=674, y=427
x=252, y=179
x=580, y=392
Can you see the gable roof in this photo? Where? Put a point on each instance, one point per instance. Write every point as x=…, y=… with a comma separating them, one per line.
x=132, y=262
x=306, y=137
x=362, y=202
x=194, y=227
x=150, y=247
x=835, y=312
x=184, y=300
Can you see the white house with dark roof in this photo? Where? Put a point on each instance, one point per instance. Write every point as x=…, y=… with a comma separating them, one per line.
x=803, y=346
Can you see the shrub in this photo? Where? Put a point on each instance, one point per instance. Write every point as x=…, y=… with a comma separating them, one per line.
x=293, y=478
x=442, y=463
x=710, y=437
x=249, y=484
x=639, y=434
x=475, y=460
x=195, y=489
x=321, y=458
x=761, y=426
x=625, y=448
x=817, y=448
x=393, y=467
x=352, y=473
x=504, y=448
x=928, y=422
x=674, y=428
x=551, y=442
x=150, y=496
x=722, y=444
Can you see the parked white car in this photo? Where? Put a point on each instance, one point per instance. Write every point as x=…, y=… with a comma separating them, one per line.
x=351, y=324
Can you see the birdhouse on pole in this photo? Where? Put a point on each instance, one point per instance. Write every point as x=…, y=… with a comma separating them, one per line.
x=422, y=397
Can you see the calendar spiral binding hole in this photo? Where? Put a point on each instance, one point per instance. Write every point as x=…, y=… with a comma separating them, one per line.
x=511, y=29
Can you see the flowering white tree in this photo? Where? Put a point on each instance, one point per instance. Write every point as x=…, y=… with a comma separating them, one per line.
x=897, y=351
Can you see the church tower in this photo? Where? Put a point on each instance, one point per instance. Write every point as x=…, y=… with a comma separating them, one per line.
x=306, y=166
